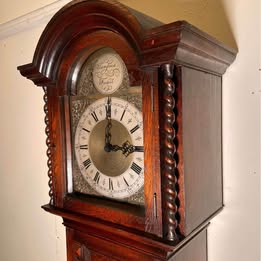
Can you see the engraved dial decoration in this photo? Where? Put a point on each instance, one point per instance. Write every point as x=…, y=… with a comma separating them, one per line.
x=108, y=73
x=109, y=147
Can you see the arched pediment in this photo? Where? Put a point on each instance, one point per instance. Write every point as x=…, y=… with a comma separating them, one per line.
x=82, y=17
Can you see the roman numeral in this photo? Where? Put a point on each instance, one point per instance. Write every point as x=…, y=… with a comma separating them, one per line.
x=84, y=147
x=108, y=108
x=110, y=184
x=126, y=182
x=97, y=177
x=134, y=129
x=86, y=130
x=94, y=115
x=136, y=168
x=122, y=115
x=87, y=163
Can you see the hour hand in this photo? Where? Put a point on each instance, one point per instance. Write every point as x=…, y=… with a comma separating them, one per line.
x=127, y=148
x=138, y=149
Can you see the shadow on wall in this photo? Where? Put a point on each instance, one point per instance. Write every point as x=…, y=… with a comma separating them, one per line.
x=207, y=15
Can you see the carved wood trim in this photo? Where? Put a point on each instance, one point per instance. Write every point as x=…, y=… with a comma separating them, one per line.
x=168, y=155
x=49, y=147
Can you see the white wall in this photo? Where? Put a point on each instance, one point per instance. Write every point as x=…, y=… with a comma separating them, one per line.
x=27, y=232
x=235, y=233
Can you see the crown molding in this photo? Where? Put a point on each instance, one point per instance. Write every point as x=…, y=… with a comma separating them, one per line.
x=30, y=20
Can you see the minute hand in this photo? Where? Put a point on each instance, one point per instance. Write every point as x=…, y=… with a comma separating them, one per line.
x=107, y=146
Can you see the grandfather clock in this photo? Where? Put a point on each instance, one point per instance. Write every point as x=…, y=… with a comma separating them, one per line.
x=133, y=125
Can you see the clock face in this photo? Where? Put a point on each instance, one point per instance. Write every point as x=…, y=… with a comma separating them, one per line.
x=108, y=73
x=109, y=147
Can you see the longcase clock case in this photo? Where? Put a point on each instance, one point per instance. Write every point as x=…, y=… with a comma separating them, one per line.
x=179, y=69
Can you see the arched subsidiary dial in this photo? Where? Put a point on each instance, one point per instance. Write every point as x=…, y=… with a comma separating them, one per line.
x=109, y=147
